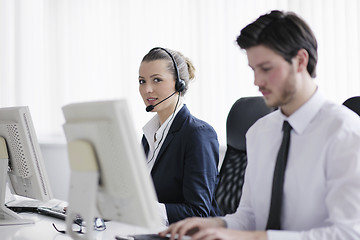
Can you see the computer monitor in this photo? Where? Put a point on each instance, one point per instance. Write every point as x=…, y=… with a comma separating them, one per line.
x=21, y=164
x=109, y=176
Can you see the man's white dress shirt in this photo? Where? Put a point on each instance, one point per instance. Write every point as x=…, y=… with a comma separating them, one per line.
x=322, y=177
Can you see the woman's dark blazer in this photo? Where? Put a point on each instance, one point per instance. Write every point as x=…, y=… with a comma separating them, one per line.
x=185, y=172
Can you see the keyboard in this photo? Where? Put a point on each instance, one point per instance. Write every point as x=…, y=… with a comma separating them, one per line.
x=147, y=237
x=142, y=237
x=52, y=212
x=31, y=205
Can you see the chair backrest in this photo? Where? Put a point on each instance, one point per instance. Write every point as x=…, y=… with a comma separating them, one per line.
x=242, y=115
x=354, y=104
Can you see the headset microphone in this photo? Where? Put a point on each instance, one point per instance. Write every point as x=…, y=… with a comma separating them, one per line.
x=151, y=107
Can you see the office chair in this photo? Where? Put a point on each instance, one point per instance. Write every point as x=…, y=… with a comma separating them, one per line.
x=354, y=104
x=244, y=113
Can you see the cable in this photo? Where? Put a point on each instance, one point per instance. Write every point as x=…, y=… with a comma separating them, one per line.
x=162, y=135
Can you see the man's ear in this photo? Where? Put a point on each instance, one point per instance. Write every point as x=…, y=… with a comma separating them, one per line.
x=302, y=58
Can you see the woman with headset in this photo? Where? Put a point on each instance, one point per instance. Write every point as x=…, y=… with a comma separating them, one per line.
x=182, y=151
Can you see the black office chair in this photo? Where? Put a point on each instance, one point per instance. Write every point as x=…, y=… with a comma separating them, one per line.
x=244, y=113
x=354, y=104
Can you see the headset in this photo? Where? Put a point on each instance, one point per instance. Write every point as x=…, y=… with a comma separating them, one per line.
x=179, y=83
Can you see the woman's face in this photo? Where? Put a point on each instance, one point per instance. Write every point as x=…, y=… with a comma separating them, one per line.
x=155, y=84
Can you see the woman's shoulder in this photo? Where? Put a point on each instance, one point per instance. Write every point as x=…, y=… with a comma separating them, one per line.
x=191, y=123
x=199, y=123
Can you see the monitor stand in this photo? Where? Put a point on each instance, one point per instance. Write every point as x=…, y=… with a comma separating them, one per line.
x=7, y=217
x=83, y=188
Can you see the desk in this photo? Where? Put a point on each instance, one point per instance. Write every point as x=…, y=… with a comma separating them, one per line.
x=42, y=229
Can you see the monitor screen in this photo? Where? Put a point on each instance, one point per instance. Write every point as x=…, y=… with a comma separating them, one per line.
x=22, y=167
x=124, y=188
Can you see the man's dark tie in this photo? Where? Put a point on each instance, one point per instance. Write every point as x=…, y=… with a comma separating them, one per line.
x=278, y=180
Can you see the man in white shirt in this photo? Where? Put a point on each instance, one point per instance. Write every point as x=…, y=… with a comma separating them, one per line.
x=321, y=188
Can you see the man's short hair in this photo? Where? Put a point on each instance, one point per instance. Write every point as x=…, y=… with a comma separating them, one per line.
x=283, y=32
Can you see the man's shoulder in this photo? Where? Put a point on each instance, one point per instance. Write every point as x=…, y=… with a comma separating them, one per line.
x=267, y=122
x=338, y=115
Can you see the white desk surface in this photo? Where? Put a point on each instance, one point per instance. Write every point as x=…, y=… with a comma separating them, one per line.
x=42, y=229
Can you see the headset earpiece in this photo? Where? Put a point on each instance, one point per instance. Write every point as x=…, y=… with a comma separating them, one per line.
x=179, y=85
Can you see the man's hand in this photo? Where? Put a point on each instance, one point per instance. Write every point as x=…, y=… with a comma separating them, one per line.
x=192, y=225
x=209, y=229
x=228, y=234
